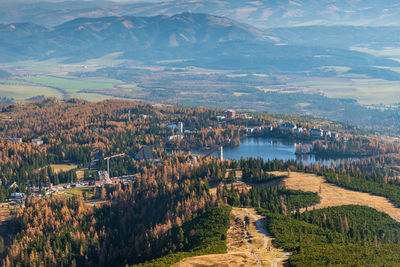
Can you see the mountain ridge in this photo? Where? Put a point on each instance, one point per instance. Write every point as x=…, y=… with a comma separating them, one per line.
x=188, y=39
x=127, y=33
x=260, y=13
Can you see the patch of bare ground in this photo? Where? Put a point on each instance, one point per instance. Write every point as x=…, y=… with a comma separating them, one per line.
x=97, y=202
x=248, y=245
x=238, y=185
x=333, y=195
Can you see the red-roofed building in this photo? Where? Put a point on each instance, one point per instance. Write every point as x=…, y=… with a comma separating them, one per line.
x=230, y=114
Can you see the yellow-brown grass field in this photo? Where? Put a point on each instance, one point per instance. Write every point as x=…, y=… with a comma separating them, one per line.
x=63, y=167
x=333, y=195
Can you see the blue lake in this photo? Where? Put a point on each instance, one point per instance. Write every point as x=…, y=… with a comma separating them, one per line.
x=268, y=149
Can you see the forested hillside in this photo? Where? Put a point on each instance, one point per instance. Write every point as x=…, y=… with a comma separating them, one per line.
x=175, y=204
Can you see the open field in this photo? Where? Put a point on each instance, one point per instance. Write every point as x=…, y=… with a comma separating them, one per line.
x=303, y=105
x=237, y=75
x=390, y=52
x=80, y=174
x=239, y=94
x=71, y=84
x=57, y=66
x=63, y=167
x=54, y=73
x=332, y=195
x=366, y=91
x=78, y=191
x=92, y=97
x=23, y=91
x=246, y=247
x=22, y=88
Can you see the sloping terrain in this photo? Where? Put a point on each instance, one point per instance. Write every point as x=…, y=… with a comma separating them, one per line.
x=183, y=40
x=260, y=12
x=332, y=195
x=247, y=246
x=93, y=38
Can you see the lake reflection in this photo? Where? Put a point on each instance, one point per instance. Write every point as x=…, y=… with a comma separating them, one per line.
x=268, y=149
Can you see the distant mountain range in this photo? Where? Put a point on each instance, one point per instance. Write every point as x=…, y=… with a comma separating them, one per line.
x=4, y=74
x=93, y=37
x=260, y=13
x=201, y=40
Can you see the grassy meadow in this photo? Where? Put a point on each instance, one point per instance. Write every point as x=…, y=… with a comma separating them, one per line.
x=366, y=91
x=72, y=84
x=24, y=88
x=63, y=167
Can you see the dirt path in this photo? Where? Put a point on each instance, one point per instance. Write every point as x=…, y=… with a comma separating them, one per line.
x=247, y=246
x=278, y=256
x=333, y=195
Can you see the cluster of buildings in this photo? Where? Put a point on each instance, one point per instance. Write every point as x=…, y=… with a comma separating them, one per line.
x=13, y=140
x=115, y=180
x=289, y=128
x=228, y=115
x=179, y=132
x=316, y=133
x=35, y=141
x=176, y=126
x=18, y=197
x=231, y=114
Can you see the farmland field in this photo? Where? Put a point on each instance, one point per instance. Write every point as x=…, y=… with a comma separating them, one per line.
x=366, y=91
x=23, y=91
x=22, y=88
x=71, y=83
x=92, y=97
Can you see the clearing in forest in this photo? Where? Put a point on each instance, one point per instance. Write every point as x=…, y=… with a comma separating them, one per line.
x=247, y=245
x=333, y=195
x=63, y=167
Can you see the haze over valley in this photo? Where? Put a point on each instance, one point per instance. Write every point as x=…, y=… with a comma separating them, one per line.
x=340, y=61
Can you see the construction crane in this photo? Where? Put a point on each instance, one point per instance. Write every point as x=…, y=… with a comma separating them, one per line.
x=108, y=161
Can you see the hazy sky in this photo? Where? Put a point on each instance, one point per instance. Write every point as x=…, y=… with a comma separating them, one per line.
x=37, y=1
